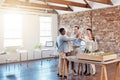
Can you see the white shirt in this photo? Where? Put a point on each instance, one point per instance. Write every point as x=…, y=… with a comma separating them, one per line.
x=90, y=44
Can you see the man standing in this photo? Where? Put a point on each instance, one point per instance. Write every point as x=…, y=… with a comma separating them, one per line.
x=76, y=45
x=63, y=48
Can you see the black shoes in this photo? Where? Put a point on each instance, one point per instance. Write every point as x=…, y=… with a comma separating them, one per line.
x=61, y=75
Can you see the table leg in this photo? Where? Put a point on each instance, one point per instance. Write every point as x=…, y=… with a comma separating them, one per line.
x=101, y=77
x=79, y=65
x=6, y=65
x=82, y=70
x=33, y=54
x=117, y=71
x=20, y=59
x=27, y=59
x=104, y=73
x=41, y=57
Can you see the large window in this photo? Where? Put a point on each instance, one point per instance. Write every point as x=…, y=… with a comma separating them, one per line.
x=45, y=29
x=12, y=30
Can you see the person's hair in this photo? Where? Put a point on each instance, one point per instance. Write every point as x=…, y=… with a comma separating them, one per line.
x=61, y=30
x=93, y=38
x=89, y=29
x=76, y=27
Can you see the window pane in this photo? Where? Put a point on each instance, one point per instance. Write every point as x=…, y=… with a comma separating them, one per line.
x=45, y=29
x=44, y=39
x=12, y=29
x=45, y=19
x=12, y=42
x=10, y=34
x=45, y=26
x=45, y=33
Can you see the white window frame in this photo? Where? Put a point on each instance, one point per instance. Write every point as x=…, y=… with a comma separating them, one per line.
x=45, y=36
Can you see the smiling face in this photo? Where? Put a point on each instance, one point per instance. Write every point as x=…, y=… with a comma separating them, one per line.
x=76, y=29
x=63, y=32
x=90, y=35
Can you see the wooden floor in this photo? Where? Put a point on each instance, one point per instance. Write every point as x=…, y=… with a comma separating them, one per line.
x=45, y=71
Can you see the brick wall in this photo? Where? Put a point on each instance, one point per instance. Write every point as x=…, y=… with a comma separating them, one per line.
x=82, y=19
x=105, y=24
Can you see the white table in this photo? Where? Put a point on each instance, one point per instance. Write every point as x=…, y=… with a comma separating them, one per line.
x=36, y=51
x=7, y=59
x=41, y=51
x=21, y=52
x=46, y=49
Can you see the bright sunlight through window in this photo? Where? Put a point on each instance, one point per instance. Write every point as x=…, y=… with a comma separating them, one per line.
x=45, y=29
x=12, y=30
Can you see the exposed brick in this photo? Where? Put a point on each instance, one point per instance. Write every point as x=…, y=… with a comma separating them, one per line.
x=105, y=24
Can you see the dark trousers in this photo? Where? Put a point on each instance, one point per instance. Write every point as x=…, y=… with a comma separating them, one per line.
x=87, y=68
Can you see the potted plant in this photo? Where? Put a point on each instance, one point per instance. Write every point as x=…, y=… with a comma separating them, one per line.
x=38, y=46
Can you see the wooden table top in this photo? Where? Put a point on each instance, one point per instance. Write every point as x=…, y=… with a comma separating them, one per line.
x=75, y=59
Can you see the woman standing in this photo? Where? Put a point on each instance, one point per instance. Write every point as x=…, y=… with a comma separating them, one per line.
x=90, y=46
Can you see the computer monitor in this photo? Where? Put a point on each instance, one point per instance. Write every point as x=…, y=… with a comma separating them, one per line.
x=49, y=44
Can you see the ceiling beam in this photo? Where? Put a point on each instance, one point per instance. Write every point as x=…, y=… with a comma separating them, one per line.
x=87, y=3
x=109, y=2
x=55, y=11
x=70, y=3
x=27, y=0
x=29, y=4
x=70, y=8
x=28, y=9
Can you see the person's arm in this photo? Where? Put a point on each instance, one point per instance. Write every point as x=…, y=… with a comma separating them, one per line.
x=80, y=36
x=68, y=39
x=69, y=34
